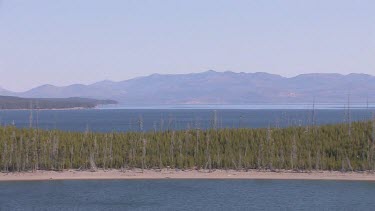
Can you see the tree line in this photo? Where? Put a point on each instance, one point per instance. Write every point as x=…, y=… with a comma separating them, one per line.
x=11, y=102
x=342, y=147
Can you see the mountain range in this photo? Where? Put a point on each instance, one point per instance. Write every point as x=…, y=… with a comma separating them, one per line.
x=213, y=87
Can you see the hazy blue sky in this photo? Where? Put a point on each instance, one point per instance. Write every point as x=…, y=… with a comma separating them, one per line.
x=83, y=41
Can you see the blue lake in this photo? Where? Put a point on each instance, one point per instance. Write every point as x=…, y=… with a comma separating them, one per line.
x=187, y=195
x=107, y=120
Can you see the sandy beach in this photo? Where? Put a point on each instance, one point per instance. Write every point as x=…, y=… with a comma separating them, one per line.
x=187, y=174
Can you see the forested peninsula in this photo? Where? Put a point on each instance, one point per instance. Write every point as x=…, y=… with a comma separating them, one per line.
x=340, y=147
x=10, y=102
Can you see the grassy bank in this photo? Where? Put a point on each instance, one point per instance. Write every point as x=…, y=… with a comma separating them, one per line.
x=341, y=147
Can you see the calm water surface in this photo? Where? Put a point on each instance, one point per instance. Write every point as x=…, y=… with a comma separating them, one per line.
x=187, y=195
x=107, y=120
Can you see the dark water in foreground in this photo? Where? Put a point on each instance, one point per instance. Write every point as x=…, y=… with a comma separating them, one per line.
x=107, y=120
x=187, y=195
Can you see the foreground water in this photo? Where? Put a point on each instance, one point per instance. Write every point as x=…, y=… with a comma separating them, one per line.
x=187, y=195
x=107, y=120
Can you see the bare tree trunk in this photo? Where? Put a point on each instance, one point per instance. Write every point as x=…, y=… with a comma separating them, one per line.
x=180, y=153
x=55, y=151
x=111, y=153
x=27, y=145
x=245, y=156
x=310, y=161
x=349, y=163
x=281, y=158
x=4, y=157
x=159, y=154
x=317, y=160
x=12, y=152
x=294, y=153
x=208, y=153
x=196, y=146
x=270, y=146
x=71, y=156
x=171, y=151
x=144, y=154
x=349, y=118
x=31, y=115
x=342, y=165
x=92, y=161
x=105, y=153
x=260, y=156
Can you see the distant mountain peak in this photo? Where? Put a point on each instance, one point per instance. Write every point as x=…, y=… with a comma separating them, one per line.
x=47, y=86
x=210, y=72
x=362, y=75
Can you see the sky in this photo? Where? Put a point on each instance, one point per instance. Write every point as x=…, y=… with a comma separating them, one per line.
x=70, y=41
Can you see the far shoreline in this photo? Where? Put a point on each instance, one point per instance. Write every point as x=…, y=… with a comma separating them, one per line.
x=47, y=109
x=98, y=107
x=139, y=174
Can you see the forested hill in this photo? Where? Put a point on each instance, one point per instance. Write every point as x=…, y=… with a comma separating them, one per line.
x=10, y=102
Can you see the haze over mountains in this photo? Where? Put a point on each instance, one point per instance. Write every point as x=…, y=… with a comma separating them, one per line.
x=213, y=87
